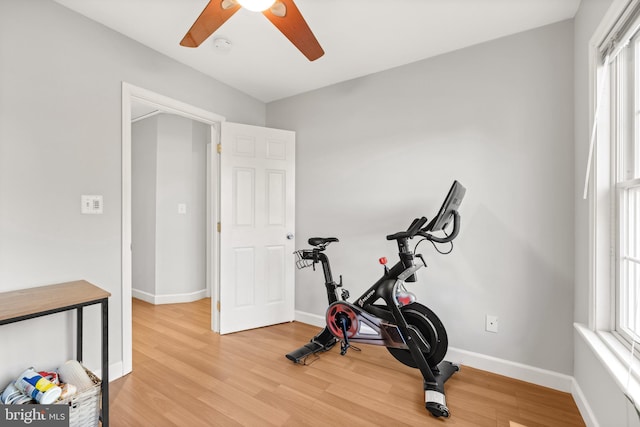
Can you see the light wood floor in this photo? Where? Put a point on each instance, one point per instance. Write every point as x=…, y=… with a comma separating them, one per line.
x=186, y=375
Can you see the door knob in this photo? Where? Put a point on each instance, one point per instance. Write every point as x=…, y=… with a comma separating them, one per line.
x=290, y=236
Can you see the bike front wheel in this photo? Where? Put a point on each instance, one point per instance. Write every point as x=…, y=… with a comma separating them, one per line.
x=431, y=328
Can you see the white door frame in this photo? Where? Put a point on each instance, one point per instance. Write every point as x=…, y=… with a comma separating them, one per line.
x=132, y=93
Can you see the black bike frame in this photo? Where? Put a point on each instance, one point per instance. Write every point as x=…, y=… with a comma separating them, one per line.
x=385, y=288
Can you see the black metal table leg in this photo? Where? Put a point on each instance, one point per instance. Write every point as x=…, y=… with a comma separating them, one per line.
x=105, y=363
x=79, y=330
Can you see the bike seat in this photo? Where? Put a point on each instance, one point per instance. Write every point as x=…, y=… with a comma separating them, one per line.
x=322, y=241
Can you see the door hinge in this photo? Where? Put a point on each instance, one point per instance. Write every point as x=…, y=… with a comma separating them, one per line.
x=218, y=306
x=219, y=227
x=219, y=148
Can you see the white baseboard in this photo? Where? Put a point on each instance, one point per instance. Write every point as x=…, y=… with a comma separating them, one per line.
x=168, y=299
x=583, y=406
x=144, y=296
x=309, y=319
x=504, y=367
x=519, y=371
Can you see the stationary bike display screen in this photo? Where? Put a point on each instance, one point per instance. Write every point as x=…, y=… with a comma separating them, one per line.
x=451, y=204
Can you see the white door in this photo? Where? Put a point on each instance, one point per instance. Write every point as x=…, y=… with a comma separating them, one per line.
x=257, y=168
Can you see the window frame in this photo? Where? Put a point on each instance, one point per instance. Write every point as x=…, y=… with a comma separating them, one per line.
x=609, y=79
x=624, y=146
x=599, y=334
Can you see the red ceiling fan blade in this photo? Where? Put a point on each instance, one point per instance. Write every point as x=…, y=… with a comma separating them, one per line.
x=284, y=14
x=212, y=17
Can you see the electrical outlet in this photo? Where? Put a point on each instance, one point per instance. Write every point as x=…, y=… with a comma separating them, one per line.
x=491, y=324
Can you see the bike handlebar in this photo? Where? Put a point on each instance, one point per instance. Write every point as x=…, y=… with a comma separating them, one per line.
x=413, y=229
x=416, y=225
x=450, y=237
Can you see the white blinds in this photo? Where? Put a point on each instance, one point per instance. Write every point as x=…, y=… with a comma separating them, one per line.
x=626, y=26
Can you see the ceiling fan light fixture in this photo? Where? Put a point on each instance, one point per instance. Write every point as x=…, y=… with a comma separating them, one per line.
x=284, y=14
x=256, y=5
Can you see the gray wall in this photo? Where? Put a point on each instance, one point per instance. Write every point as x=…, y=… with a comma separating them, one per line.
x=181, y=179
x=377, y=151
x=60, y=137
x=144, y=155
x=169, y=167
x=609, y=405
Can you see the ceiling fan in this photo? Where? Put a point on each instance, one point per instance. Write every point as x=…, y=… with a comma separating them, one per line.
x=284, y=14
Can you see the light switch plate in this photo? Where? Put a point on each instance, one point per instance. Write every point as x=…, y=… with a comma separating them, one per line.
x=91, y=204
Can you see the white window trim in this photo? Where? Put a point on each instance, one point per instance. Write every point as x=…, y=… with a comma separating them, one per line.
x=602, y=220
x=602, y=250
x=615, y=357
x=600, y=333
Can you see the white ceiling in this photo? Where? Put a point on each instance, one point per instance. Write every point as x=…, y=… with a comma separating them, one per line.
x=359, y=37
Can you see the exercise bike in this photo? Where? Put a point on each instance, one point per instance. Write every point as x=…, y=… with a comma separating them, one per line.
x=412, y=333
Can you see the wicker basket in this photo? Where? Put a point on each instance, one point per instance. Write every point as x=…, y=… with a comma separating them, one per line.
x=84, y=406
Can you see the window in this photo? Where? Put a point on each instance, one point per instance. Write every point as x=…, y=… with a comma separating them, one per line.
x=625, y=110
x=620, y=179
x=613, y=186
